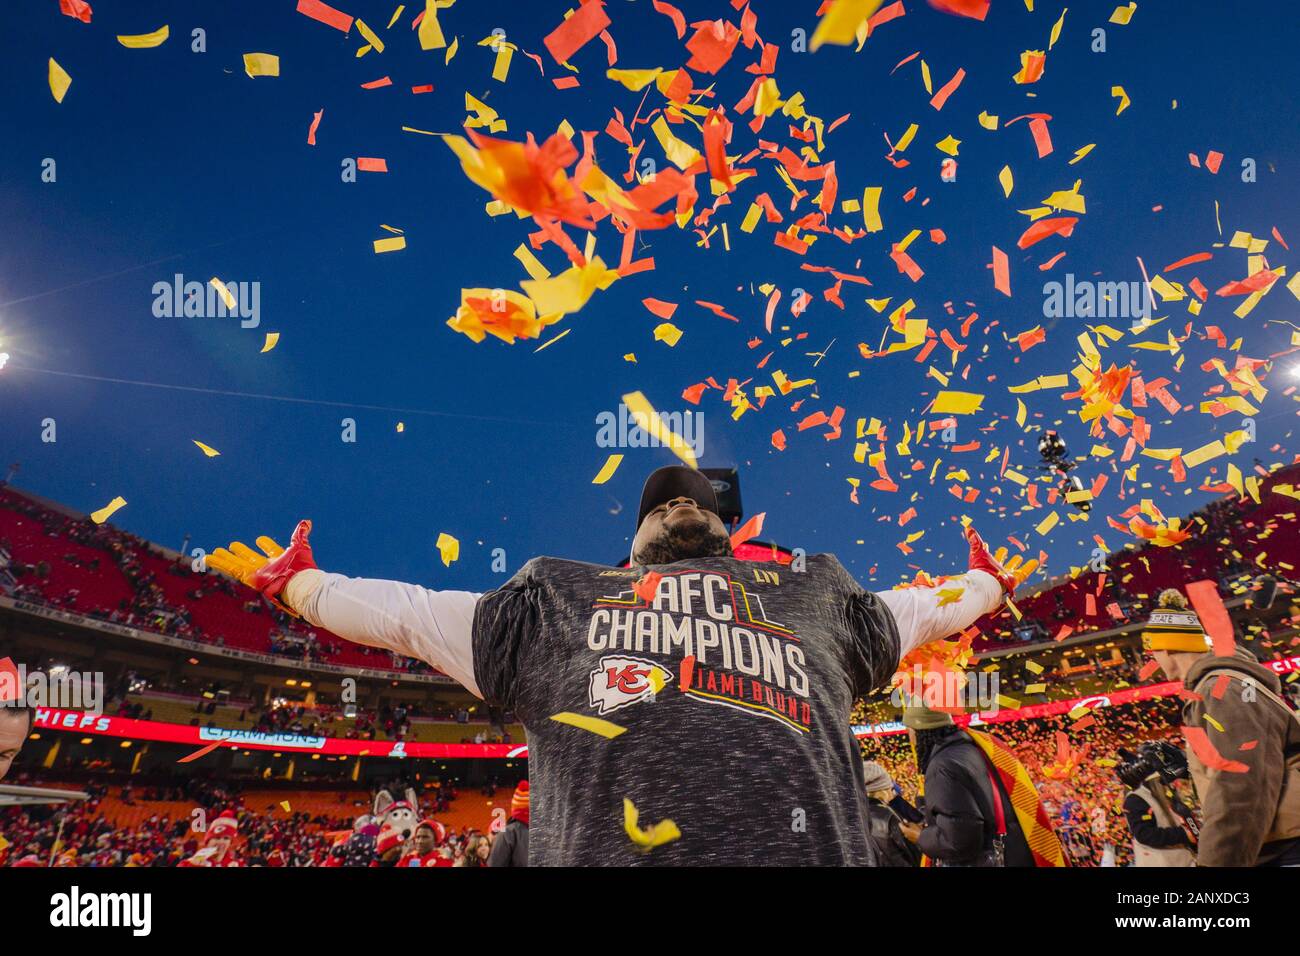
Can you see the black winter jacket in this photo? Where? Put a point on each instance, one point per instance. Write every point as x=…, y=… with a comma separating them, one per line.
x=959, y=816
x=510, y=848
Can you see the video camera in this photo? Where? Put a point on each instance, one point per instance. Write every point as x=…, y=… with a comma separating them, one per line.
x=1153, y=757
x=1056, y=459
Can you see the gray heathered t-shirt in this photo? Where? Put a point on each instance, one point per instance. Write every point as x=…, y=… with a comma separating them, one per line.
x=734, y=685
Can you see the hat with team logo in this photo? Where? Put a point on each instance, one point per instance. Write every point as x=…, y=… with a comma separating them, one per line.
x=226, y=825
x=676, y=481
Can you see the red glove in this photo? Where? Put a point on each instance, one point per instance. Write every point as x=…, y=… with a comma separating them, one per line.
x=982, y=560
x=269, y=574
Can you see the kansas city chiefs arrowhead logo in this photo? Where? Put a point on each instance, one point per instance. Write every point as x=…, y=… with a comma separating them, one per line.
x=618, y=681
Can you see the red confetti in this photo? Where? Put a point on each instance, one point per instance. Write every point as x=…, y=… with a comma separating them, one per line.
x=1205, y=599
x=577, y=31
x=325, y=14
x=1208, y=755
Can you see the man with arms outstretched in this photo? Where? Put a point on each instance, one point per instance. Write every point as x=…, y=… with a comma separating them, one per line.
x=727, y=686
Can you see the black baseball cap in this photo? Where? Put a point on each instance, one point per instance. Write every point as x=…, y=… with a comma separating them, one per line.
x=676, y=481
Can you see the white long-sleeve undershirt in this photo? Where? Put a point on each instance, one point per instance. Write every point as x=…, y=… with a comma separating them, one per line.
x=437, y=626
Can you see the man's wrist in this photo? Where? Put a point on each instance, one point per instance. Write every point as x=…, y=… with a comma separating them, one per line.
x=301, y=588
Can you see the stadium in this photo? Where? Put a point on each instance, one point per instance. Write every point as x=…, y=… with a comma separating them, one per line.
x=378, y=383
x=189, y=662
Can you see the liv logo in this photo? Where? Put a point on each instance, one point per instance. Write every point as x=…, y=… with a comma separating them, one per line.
x=209, y=300
x=76, y=909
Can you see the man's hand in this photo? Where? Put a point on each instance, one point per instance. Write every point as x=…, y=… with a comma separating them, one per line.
x=268, y=572
x=910, y=830
x=1010, y=575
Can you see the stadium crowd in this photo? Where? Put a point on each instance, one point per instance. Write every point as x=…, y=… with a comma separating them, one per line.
x=63, y=562
x=88, y=833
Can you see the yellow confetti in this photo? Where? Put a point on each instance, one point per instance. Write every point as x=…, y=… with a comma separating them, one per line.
x=448, y=547
x=607, y=470
x=145, y=41
x=1124, y=14
x=1082, y=152
x=369, y=34
x=549, y=342
x=644, y=415
x=206, y=449
x=285, y=804
x=593, y=724
x=839, y=26
x=680, y=154
x=636, y=80
x=1056, y=29
x=106, y=512
x=665, y=831
x=906, y=139
x=956, y=403
x=227, y=296
x=871, y=209
x=948, y=145
x=59, y=81
x=1203, y=454
x=532, y=265
x=431, y=37
x=1004, y=178
x=261, y=64
x=272, y=340
x=570, y=290
x=392, y=244
x=1123, y=98
x=667, y=333
x=501, y=68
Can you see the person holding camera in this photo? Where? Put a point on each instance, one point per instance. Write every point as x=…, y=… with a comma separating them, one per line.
x=1243, y=740
x=1164, y=828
